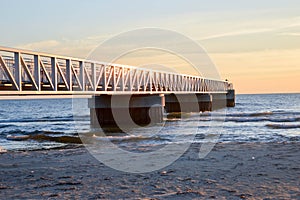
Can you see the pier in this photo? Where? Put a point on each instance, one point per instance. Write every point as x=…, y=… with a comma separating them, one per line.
x=119, y=94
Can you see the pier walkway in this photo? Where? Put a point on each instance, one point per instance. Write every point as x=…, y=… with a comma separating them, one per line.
x=142, y=94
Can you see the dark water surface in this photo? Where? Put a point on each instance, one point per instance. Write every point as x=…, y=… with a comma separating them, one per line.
x=49, y=123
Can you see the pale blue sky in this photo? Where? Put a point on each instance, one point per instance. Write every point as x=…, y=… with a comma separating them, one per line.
x=30, y=21
x=241, y=36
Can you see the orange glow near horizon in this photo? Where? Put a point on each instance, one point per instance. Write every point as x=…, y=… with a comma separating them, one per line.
x=261, y=72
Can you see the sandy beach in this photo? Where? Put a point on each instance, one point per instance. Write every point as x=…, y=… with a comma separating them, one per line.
x=230, y=171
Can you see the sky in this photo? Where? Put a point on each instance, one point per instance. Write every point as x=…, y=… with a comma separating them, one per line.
x=254, y=44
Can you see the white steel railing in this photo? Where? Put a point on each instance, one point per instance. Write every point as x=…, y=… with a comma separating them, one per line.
x=23, y=72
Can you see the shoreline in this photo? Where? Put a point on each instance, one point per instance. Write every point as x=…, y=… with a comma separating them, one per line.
x=229, y=171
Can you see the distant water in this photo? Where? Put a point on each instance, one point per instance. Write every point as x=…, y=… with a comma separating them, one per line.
x=48, y=123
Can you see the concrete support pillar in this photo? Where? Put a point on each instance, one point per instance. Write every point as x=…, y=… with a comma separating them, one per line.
x=188, y=103
x=125, y=110
x=230, y=96
x=219, y=101
x=205, y=102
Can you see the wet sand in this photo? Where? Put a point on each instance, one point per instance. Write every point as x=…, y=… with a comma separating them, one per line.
x=230, y=171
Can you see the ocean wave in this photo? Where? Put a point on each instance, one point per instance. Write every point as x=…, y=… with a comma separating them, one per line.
x=261, y=114
x=6, y=125
x=244, y=120
x=128, y=138
x=240, y=114
x=283, y=126
x=43, y=137
x=81, y=116
x=262, y=119
x=60, y=139
x=295, y=119
x=35, y=132
x=45, y=119
x=286, y=112
x=253, y=114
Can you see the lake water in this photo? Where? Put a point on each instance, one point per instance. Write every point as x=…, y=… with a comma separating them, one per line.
x=49, y=123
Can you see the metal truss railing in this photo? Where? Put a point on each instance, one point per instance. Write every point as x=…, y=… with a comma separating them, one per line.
x=26, y=72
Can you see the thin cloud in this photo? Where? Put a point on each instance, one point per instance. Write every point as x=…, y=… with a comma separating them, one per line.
x=40, y=45
x=236, y=33
x=289, y=34
x=75, y=48
x=280, y=26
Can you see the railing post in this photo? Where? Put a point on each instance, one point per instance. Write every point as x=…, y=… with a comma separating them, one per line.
x=94, y=78
x=54, y=73
x=104, y=78
x=114, y=87
x=37, y=72
x=18, y=71
x=82, y=75
x=150, y=81
x=122, y=79
x=144, y=80
x=130, y=80
x=69, y=74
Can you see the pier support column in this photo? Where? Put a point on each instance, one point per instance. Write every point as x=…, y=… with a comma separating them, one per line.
x=205, y=102
x=125, y=110
x=188, y=103
x=219, y=101
x=223, y=100
x=230, y=97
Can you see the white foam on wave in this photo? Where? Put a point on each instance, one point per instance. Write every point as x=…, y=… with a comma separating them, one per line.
x=2, y=150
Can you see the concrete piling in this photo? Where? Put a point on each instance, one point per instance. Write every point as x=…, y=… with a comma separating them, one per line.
x=125, y=110
x=218, y=101
x=145, y=109
x=188, y=103
x=230, y=96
